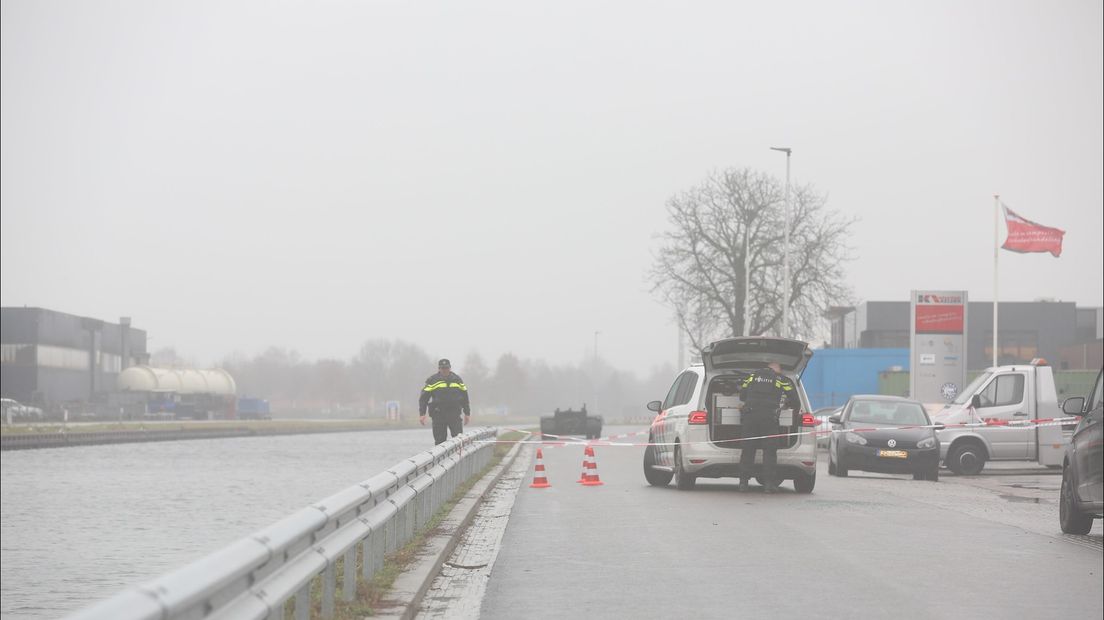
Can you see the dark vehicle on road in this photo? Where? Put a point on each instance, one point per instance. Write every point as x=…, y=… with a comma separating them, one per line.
x=571, y=422
x=872, y=438
x=1082, y=495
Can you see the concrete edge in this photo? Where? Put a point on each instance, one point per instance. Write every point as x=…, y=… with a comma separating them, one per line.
x=406, y=594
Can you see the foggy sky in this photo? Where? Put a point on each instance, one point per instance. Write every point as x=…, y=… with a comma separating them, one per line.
x=491, y=176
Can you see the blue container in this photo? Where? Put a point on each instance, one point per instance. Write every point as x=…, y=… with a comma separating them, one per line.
x=834, y=375
x=253, y=409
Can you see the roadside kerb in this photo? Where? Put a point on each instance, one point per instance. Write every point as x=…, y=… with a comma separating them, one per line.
x=406, y=594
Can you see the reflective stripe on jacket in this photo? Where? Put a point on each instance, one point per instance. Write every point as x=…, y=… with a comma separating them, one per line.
x=444, y=394
x=765, y=390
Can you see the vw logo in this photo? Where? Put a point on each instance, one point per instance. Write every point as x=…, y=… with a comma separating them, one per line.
x=892, y=443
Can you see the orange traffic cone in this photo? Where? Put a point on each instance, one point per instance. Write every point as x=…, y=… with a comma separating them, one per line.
x=592, y=479
x=539, y=479
x=586, y=461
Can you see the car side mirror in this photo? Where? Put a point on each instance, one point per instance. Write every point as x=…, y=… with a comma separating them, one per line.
x=655, y=406
x=835, y=419
x=1073, y=405
x=975, y=401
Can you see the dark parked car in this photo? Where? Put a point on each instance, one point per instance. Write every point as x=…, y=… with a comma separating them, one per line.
x=1081, y=498
x=571, y=422
x=872, y=439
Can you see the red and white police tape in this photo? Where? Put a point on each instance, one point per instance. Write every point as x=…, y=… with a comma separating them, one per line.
x=566, y=440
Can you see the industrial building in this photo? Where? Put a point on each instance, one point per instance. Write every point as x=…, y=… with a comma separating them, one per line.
x=50, y=358
x=1068, y=336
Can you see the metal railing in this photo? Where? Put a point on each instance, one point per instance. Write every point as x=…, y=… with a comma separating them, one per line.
x=256, y=576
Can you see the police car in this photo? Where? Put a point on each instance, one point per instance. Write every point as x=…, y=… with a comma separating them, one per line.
x=697, y=432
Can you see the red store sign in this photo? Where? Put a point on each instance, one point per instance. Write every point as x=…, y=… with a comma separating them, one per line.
x=940, y=319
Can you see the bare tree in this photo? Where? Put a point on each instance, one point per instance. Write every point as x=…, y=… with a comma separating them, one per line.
x=700, y=265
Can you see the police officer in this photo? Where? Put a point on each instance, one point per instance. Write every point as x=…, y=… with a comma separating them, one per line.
x=763, y=392
x=444, y=398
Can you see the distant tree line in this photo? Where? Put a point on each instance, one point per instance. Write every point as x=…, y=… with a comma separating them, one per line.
x=395, y=370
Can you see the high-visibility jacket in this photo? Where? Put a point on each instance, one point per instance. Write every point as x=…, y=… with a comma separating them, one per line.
x=764, y=391
x=444, y=395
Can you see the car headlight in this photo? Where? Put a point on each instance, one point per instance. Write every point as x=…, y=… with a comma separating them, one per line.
x=855, y=438
x=925, y=443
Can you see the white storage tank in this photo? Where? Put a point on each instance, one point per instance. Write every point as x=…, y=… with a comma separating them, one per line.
x=177, y=380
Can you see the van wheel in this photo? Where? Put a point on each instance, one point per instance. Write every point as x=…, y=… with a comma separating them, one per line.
x=804, y=483
x=683, y=480
x=655, y=477
x=966, y=459
x=1071, y=520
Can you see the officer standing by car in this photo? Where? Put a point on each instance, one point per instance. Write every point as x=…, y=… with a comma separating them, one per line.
x=445, y=399
x=763, y=392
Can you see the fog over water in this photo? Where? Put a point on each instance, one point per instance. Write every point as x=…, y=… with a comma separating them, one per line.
x=490, y=175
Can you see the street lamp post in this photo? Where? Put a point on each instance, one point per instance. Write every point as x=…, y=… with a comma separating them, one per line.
x=786, y=248
x=596, y=371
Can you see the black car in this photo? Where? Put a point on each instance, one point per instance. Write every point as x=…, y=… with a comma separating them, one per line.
x=1081, y=498
x=871, y=434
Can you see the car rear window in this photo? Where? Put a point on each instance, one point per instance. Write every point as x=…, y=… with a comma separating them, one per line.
x=887, y=413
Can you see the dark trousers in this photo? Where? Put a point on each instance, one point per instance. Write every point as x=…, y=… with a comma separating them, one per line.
x=756, y=425
x=445, y=422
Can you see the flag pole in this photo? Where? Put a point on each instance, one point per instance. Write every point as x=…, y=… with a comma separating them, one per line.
x=996, y=254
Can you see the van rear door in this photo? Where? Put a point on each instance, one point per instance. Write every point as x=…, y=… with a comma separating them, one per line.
x=756, y=352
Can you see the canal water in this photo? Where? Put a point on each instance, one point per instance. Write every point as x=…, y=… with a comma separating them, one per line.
x=80, y=524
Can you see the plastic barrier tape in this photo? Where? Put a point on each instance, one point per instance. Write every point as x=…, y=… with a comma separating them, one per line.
x=564, y=440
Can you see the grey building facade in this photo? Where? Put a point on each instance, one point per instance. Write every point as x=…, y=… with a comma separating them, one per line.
x=1027, y=329
x=50, y=358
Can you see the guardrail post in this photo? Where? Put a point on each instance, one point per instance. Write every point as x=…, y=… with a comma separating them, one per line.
x=371, y=553
x=348, y=588
x=329, y=584
x=302, y=603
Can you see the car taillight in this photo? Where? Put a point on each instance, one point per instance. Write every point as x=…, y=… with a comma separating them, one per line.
x=807, y=419
x=698, y=417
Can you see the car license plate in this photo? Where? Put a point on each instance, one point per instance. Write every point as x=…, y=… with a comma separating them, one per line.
x=893, y=454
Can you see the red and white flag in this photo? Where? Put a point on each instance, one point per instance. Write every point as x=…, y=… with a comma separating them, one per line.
x=1027, y=236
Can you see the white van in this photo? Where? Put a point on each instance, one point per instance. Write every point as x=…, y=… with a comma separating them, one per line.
x=697, y=431
x=1002, y=401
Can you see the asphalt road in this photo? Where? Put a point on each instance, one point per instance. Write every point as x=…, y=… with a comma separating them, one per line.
x=986, y=546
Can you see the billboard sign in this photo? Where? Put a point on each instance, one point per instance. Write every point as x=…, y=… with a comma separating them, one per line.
x=937, y=339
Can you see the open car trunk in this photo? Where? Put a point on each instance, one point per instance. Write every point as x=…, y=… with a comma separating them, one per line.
x=724, y=417
x=749, y=353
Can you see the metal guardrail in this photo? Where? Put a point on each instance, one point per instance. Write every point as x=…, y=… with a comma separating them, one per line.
x=256, y=576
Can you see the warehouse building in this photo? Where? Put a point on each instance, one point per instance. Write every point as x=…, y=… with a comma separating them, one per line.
x=1068, y=336
x=49, y=358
